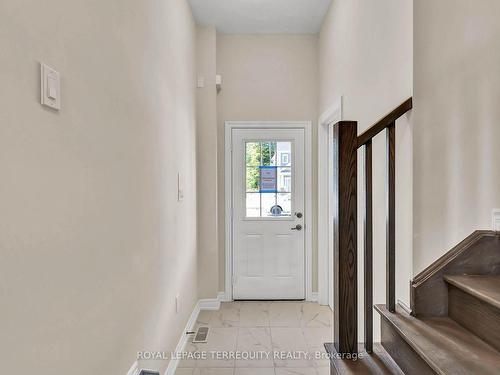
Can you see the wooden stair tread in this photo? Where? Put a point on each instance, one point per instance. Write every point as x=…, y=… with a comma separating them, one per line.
x=486, y=288
x=443, y=344
x=377, y=363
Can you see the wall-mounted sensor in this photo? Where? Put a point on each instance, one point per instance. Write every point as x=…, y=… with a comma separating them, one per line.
x=50, y=83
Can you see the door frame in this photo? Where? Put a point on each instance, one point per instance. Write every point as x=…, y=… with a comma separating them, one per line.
x=325, y=201
x=228, y=197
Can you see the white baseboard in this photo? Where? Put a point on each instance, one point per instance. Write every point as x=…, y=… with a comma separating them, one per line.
x=134, y=369
x=172, y=365
x=213, y=303
x=223, y=297
x=209, y=304
x=202, y=304
x=404, y=306
x=314, y=297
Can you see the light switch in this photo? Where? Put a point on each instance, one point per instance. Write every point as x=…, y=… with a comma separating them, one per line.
x=218, y=82
x=180, y=188
x=50, y=87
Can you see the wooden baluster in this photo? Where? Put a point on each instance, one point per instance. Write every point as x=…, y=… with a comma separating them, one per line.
x=368, y=253
x=391, y=219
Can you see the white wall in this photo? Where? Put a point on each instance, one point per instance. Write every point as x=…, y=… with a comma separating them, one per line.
x=265, y=77
x=457, y=122
x=365, y=54
x=93, y=243
x=206, y=142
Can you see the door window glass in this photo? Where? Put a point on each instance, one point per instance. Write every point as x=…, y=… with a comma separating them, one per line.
x=268, y=179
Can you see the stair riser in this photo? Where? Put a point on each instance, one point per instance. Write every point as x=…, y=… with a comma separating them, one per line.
x=402, y=353
x=477, y=316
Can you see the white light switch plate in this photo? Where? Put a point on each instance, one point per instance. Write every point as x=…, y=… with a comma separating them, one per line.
x=50, y=87
x=180, y=188
x=177, y=304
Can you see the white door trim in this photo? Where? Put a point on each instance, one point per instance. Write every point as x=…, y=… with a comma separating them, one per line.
x=325, y=175
x=229, y=126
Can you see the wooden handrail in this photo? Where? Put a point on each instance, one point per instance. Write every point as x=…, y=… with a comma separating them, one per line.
x=385, y=122
x=365, y=139
x=346, y=145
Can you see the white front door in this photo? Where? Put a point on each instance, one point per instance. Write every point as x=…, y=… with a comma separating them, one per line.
x=268, y=214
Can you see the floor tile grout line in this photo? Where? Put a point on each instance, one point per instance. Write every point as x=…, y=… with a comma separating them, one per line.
x=272, y=346
x=236, y=347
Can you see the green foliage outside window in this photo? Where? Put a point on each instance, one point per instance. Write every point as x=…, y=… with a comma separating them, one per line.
x=258, y=154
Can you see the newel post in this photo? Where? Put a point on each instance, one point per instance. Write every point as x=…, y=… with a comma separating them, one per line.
x=345, y=237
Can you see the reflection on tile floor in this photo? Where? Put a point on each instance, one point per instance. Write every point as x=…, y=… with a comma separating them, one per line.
x=283, y=338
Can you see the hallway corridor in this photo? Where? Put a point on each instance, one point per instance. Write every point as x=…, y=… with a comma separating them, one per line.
x=273, y=329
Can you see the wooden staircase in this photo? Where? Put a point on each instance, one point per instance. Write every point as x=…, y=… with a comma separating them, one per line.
x=474, y=302
x=453, y=327
x=455, y=323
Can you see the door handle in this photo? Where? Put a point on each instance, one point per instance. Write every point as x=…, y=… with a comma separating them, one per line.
x=297, y=227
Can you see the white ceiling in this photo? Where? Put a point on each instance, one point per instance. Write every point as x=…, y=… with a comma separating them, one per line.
x=261, y=16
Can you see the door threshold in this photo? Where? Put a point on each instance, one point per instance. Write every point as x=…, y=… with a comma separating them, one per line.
x=270, y=300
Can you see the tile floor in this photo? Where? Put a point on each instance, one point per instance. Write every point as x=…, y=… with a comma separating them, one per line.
x=272, y=330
